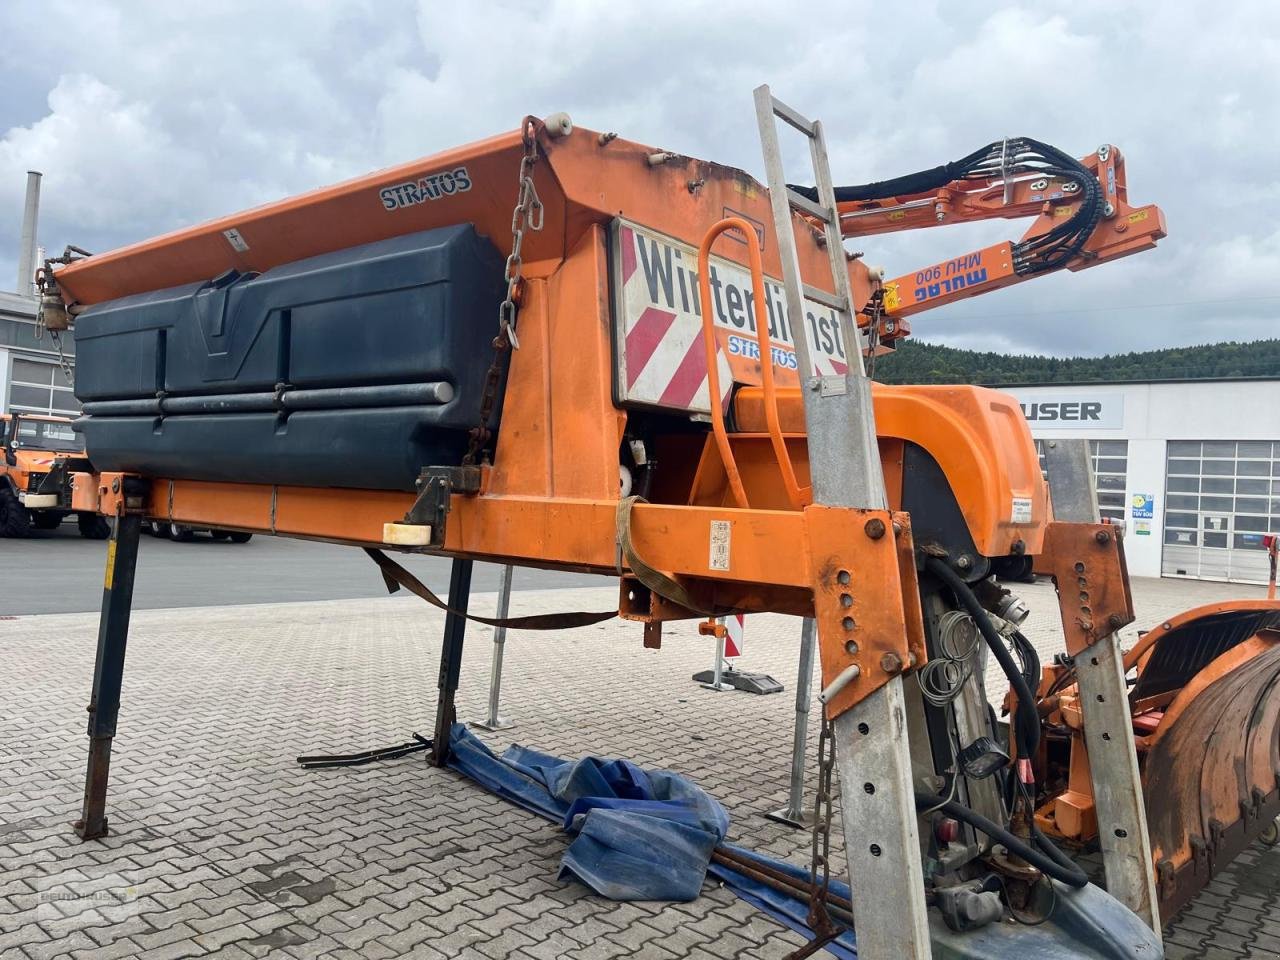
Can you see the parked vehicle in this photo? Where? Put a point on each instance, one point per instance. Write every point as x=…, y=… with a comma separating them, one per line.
x=184, y=534
x=39, y=455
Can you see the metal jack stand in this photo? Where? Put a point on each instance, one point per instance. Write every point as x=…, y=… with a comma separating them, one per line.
x=715, y=681
x=108, y=671
x=794, y=814
x=494, y=720
x=1113, y=759
x=455, y=625
x=881, y=836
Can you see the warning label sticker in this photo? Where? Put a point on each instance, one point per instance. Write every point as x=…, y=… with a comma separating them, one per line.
x=1021, y=510
x=719, y=545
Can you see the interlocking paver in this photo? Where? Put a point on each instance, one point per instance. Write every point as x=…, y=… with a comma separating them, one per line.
x=233, y=851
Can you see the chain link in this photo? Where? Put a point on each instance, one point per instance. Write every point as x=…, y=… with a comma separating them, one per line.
x=56, y=337
x=529, y=214
x=819, y=919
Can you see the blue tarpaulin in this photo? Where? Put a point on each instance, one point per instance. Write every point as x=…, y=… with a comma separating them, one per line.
x=638, y=834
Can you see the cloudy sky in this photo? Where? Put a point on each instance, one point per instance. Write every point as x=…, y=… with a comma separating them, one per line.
x=145, y=116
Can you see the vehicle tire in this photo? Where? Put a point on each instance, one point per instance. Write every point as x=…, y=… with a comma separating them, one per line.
x=181, y=534
x=47, y=519
x=220, y=534
x=14, y=519
x=92, y=526
x=1014, y=569
x=1271, y=833
x=240, y=537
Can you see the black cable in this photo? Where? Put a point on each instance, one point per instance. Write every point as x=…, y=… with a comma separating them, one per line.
x=1055, y=864
x=1027, y=721
x=1000, y=160
x=1030, y=659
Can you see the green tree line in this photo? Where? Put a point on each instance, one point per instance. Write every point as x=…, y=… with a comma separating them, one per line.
x=915, y=362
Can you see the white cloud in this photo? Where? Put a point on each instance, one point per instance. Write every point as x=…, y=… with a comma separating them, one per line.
x=168, y=114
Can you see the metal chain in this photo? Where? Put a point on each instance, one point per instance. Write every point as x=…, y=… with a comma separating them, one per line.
x=528, y=213
x=56, y=337
x=824, y=928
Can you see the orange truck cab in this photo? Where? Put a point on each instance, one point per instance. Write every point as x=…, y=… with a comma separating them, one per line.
x=39, y=455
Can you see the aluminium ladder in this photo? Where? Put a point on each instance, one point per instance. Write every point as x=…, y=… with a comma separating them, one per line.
x=881, y=837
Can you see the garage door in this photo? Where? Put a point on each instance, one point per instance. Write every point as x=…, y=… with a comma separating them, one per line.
x=1221, y=496
x=40, y=386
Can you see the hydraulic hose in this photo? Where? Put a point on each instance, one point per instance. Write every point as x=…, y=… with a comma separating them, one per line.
x=1051, y=862
x=1027, y=730
x=1027, y=720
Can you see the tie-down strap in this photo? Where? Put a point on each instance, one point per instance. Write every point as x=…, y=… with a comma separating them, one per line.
x=397, y=576
x=658, y=582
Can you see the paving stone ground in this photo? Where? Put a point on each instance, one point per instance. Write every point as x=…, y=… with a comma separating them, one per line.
x=221, y=846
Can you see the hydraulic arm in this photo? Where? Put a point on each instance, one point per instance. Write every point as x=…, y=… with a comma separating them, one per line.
x=1081, y=210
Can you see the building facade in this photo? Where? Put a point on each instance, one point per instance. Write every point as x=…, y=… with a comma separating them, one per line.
x=31, y=376
x=1191, y=467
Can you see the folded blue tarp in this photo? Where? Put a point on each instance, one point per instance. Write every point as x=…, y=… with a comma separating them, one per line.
x=639, y=834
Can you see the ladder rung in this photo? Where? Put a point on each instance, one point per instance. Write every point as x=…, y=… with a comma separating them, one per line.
x=834, y=301
x=801, y=202
x=783, y=112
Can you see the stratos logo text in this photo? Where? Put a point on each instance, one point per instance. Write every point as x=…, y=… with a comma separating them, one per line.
x=431, y=187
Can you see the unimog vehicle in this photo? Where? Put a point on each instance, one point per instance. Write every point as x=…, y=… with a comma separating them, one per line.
x=40, y=453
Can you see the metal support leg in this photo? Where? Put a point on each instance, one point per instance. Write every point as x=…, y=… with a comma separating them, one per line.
x=794, y=813
x=108, y=672
x=455, y=625
x=877, y=808
x=494, y=720
x=717, y=672
x=1117, y=784
x=1104, y=704
x=872, y=749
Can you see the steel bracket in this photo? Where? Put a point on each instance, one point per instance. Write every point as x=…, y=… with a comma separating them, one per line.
x=860, y=601
x=436, y=487
x=1087, y=565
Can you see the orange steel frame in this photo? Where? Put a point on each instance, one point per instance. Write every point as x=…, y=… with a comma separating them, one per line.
x=551, y=494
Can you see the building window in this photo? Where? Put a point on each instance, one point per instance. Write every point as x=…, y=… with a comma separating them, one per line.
x=1110, y=473
x=40, y=386
x=1220, y=499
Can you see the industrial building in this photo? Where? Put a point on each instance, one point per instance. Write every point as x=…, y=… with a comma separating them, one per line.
x=1192, y=467
x=32, y=378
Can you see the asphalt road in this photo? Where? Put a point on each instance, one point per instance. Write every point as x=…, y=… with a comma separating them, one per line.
x=58, y=572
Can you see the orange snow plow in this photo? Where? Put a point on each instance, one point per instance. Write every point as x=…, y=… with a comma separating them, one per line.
x=1204, y=697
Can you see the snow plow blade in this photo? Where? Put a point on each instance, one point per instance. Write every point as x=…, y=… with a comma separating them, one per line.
x=1206, y=721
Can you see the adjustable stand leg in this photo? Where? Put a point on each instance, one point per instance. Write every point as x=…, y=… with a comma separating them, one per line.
x=1117, y=784
x=494, y=720
x=794, y=814
x=108, y=672
x=455, y=626
x=882, y=843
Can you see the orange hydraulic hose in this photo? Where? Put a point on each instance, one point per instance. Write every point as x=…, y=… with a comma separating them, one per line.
x=799, y=498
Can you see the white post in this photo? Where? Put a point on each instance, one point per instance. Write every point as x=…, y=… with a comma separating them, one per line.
x=27, y=254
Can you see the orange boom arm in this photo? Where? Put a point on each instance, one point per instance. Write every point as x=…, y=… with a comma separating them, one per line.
x=1081, y=209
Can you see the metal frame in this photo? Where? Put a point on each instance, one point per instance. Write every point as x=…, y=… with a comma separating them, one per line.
x=882, y=841
x=1108, y=731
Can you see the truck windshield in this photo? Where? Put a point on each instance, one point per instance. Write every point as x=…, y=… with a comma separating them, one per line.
x=33, y=434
